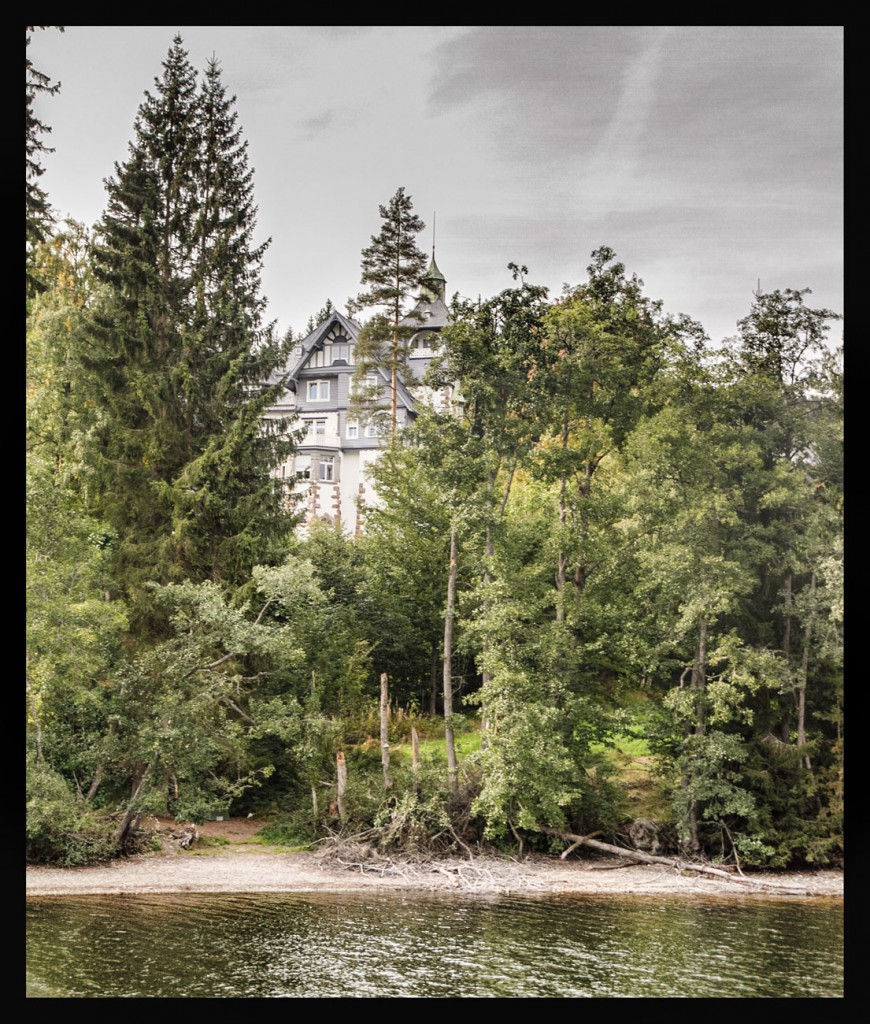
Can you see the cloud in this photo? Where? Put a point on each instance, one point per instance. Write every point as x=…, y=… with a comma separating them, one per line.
x=314, y=126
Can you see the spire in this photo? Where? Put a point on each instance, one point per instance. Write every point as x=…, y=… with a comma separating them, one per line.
x=434, y=283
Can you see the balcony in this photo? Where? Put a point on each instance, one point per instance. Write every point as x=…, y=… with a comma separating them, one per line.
x=312, y=440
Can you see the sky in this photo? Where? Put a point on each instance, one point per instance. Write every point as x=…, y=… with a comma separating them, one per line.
x=710, y=159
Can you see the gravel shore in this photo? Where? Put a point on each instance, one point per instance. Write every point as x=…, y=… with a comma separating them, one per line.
x=257, y=868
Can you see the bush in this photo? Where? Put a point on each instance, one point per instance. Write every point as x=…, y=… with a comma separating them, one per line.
x=59, y=829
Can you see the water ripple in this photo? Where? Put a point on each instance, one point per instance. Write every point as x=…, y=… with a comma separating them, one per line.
x=327, y=945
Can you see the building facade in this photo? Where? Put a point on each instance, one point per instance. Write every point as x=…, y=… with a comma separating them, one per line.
x=329, y=471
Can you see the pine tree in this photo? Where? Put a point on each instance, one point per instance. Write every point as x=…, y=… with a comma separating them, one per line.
x=179, y=359
x=38, y=217
x=392, y=266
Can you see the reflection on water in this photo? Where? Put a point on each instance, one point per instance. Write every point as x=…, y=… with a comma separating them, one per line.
x=293, y=944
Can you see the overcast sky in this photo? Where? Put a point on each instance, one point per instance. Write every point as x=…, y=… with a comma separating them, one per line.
x=708, y=158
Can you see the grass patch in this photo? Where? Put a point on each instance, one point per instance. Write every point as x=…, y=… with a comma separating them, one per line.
x=623, y=743
x=292, y=836
x=634, y=767
x=213, y=841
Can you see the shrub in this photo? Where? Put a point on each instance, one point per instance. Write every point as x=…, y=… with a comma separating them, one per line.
x=59, y=829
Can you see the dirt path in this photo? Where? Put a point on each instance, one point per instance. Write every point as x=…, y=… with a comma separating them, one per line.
x=244, y=865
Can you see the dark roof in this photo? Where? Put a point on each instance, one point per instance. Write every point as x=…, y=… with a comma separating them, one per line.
x=432, y=314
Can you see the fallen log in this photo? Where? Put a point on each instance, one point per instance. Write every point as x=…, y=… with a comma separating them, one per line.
x=677, y=864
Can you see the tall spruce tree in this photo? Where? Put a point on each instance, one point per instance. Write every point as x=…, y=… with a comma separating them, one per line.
x=392, y=267
x=38, y=218
x=179, y=358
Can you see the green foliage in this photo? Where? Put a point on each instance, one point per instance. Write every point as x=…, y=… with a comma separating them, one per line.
x=178, y=359
x=536, y=764
x=59, y=829
x=295, y=833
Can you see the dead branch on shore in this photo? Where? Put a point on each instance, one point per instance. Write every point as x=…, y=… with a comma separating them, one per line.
x=676, y=863
x=473, y=874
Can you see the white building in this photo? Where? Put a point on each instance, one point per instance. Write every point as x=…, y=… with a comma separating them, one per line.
x=329, y=470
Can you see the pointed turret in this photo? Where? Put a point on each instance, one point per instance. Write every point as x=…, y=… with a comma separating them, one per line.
x=433, y=283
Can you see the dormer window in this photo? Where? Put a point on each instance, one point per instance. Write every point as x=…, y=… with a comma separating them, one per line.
x=318, y=391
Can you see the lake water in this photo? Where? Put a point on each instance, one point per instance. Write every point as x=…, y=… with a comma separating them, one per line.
x=316, y=945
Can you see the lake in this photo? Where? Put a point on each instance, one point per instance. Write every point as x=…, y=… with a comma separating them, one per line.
x=328, y=945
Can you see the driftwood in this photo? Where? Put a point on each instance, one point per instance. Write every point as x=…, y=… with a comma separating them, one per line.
x=676, y=863
x=185, y=836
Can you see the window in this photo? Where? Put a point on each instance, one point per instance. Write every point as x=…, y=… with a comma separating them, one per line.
x=420, y=345
x=373, y=430
x=326, y=470
x=318, y=390
x=340, y=352
x=316, y=427
x=351, y=430
x=368, y=386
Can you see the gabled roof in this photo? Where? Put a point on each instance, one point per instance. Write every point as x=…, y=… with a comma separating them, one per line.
x=430, y=314
x=317, y=337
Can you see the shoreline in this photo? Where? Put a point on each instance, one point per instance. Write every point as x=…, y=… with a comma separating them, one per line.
x=258, y=869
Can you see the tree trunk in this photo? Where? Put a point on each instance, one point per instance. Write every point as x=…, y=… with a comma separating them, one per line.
x=785, y=731
x=488, y=552
x=562, y=558
x=341, y=783
x=585, y=489
x=649, y=858
x=699, y=681
x=130, y=813
x=385, y=739
x=448, y=665
x=394, y=383
x=802, y=686
x=98, y=774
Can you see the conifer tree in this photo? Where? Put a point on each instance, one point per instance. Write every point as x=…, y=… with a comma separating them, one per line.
x=179, y=359
x=227, y=505
x=392, y=267
x=37, y=211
